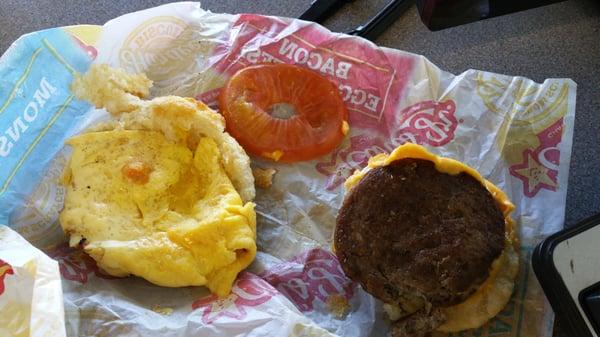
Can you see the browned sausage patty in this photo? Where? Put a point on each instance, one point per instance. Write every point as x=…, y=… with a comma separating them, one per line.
x=407, y=231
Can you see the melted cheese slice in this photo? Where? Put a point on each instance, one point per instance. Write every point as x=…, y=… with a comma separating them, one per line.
x=493, y=295
x=183, y=224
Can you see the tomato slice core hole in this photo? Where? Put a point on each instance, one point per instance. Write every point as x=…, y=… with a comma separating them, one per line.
x=282, y=111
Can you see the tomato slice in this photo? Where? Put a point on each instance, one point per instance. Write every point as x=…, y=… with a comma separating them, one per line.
x=283, y=112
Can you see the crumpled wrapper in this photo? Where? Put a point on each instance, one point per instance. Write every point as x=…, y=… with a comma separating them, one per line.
x=31, y=297
x=515, y=132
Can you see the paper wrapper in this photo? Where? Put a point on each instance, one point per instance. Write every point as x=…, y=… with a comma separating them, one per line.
x=516, y=132
x=31, y=298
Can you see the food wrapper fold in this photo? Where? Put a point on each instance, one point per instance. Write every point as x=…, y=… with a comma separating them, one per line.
x=31, y=298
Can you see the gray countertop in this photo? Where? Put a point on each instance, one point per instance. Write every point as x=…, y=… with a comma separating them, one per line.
x=560, y=40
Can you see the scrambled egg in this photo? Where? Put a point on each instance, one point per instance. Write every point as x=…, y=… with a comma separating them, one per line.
x=161, y=192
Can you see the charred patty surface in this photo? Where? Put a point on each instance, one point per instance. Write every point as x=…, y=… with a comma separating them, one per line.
x=407, y=231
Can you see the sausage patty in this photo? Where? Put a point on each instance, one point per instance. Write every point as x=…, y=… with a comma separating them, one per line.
x=409, y=233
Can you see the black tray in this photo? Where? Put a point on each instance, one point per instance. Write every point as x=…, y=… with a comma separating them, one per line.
x=543, y=265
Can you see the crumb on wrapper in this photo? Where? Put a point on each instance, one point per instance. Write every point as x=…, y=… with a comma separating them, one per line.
x=163, y=311
x=263, y=177
x=338, y=305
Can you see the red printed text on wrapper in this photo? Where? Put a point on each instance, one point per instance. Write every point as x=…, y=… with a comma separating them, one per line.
x=5, y=270
x=248, y=291
x=312, y=276
x=74, y=264
x=370, y=80
x=539, y=167
x=426, y=123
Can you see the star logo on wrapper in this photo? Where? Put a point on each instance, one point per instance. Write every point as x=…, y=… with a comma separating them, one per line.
x=425, y=123
x=539, y=167
x=315, y=275
x=534, y=175
x=75, y=264
x=5, y=270
x=248, y=291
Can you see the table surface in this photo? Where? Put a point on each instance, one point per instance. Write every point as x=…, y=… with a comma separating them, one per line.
x=559, y=40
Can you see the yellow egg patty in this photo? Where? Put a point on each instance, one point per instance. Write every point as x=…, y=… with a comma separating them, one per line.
x=144, y=205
